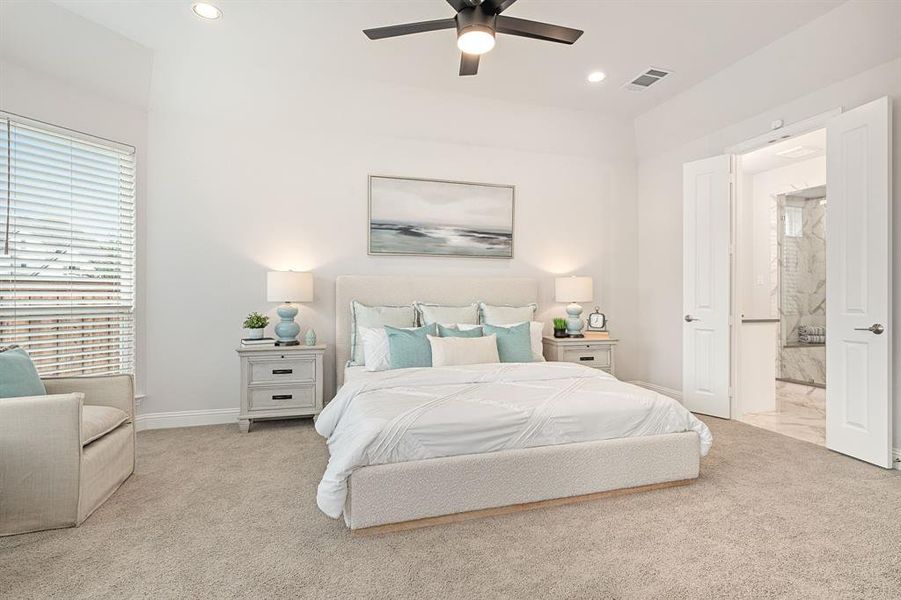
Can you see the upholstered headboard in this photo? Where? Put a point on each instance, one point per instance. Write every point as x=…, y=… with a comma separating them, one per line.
x=375, y=290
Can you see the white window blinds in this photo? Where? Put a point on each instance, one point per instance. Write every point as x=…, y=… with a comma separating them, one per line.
x=67, y=280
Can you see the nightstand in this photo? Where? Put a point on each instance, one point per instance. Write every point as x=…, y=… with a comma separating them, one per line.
x=597, y=354
x=278, y=382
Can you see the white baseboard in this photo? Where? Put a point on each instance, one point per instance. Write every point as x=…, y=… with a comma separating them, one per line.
x=675, y=394
x=896, y=458
x=186, y=418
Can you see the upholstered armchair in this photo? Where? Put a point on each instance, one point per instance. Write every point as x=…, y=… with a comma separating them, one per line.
x=63, y=454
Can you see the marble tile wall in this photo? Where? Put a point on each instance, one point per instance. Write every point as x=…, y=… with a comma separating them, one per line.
x=802, y=285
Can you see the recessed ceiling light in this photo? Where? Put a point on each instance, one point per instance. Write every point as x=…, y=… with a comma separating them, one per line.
x=596, y=77
x=204, y=10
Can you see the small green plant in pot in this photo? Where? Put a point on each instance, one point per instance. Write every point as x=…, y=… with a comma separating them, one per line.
x=255, y=323
x=559, y=327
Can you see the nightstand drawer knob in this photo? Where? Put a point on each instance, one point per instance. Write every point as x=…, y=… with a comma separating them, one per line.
x=586, y=358
x=282, y=396
x=282, y=371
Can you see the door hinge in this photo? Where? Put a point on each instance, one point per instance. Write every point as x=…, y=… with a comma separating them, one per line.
x=730, y=392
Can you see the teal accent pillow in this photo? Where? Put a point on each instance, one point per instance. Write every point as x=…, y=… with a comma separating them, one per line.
x=409, y=347
x=457, y=332
x=514, y=344
x=18, y=377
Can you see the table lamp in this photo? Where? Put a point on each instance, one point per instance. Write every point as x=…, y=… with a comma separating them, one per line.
x=288, y=287
x=574, y=290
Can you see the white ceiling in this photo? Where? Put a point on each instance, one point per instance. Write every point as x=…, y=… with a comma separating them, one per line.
x=322, y=40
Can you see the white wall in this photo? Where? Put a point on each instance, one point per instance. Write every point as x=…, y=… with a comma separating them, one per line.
x=240, y=175
x=283, y=185
x=660, y=210
x=758, y=276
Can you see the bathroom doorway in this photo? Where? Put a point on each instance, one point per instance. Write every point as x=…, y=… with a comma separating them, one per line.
x=729, y=364
x=781, y=287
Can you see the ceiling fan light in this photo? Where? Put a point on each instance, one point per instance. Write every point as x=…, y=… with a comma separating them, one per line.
x=476, y=40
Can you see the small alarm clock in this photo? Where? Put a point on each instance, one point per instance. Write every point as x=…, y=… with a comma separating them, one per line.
x=597, y=321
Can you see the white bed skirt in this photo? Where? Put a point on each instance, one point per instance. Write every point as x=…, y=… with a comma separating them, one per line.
x=399, y=492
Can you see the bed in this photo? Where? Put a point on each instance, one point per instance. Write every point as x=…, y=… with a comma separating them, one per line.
x=416, y=447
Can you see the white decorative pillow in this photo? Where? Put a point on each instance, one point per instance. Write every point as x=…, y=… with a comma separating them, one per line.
x=437, y=313
x=453, y=351
x=503, y=315
x=377, y=317
x=376, y=356
x=536, y=333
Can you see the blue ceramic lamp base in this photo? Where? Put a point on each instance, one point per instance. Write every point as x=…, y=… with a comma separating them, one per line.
x=574, y=320
x=287, y=330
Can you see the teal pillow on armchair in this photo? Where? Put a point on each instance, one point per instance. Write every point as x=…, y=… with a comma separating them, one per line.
x=18, y=377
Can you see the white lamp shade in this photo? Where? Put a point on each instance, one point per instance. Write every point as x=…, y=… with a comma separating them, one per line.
x=289, y=286
x=574, y=289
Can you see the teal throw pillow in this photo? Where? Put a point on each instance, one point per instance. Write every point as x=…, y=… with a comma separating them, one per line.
x=514, y=344
x=456, y=332
x=18, y=377
x=409, y=347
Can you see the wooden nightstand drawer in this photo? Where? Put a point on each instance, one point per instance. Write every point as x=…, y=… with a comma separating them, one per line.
x=590, y=356
x=277, y=398
x=595, y=353
x=276, y=370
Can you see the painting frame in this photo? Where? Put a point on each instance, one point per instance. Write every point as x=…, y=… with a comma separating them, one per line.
x=450, y=182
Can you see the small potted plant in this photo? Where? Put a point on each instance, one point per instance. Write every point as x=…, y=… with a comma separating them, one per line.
x=560, y=328
x=255, y=323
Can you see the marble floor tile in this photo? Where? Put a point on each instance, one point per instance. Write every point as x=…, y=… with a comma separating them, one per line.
x=800, y=413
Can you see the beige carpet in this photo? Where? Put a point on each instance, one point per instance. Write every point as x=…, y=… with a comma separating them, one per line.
x=212, y=513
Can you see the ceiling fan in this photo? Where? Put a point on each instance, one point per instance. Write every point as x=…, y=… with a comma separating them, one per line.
x=477, y=22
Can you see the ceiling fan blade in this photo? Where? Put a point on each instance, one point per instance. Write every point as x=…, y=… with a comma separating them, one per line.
x=459, y=4
x=496, y=7
x=379, y=33
x=536, y=30
x=469, y=64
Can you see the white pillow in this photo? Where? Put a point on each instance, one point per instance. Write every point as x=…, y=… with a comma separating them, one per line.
x=536, y=333
x=503, y=315
x=375, y=316
x=453, y=351
x=375, y=348
x=437, y=313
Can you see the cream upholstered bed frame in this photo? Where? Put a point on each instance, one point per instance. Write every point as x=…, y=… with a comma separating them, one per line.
x=426, y=492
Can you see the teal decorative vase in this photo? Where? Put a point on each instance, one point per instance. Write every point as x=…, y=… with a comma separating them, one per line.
x=310, y=338
x=287, y=329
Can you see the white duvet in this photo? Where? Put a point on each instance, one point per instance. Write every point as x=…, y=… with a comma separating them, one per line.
x=414, y=414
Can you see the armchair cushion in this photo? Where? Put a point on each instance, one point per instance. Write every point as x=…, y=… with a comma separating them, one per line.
x=18, y=377
x=97, y=421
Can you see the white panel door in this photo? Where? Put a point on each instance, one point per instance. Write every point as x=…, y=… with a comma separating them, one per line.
x=706, y=266
x=859, y=283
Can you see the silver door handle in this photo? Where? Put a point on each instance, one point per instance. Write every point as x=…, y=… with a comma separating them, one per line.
x=689, y=318
x=876, y=328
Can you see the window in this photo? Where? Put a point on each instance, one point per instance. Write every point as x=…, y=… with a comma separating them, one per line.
x=67, y=248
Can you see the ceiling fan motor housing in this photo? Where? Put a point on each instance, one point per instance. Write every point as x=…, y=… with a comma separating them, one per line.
x=476, y=19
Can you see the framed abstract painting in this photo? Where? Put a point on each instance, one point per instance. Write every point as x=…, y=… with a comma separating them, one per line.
x=430, y=217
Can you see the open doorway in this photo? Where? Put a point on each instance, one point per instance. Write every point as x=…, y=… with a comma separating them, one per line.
x=716, y=377
x=781, y=286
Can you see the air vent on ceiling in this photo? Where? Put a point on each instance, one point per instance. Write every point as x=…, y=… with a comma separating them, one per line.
x=646, y=79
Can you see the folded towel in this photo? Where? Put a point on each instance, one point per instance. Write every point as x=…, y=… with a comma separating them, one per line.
x=811, y=330
x=812, y=339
